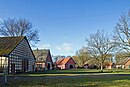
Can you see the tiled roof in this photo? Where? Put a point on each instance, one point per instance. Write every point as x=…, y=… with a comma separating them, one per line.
x=41, y=55
x=126, y=61
x=7, y=44
x=63, y=61
x=109, y=64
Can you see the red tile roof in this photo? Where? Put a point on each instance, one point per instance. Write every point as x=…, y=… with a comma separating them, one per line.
x=126, y=61
x=63, y=61
x=109, y=64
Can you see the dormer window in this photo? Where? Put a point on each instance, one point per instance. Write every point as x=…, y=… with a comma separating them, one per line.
x=40, y=58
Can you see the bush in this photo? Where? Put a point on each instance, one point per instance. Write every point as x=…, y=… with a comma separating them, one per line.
x=1, y=70
x=19, y=71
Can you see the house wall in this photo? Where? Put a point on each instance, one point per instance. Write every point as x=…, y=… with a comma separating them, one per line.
x=70, y=62
x=120, y=66
x=65, y=64
x=20, y=53
x=127, y=65
x=3, y=63
x=39, y=66
x=61, y=66
x=108, y=67
x=48, y=61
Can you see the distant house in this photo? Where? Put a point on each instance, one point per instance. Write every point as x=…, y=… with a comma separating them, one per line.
x=16, y=55
x=66, y=63
x=127, y=64
x=43, y=59
x=86, y=66
x=110, y=65
x=120, y=66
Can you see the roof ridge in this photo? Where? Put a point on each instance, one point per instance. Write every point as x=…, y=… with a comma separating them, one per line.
x=11, y=36
x=126, y=61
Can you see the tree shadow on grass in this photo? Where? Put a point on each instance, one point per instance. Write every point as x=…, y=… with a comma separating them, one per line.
x=68, y=72
x=83, y=81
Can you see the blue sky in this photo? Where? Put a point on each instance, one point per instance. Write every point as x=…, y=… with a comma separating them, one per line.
x=63, y=25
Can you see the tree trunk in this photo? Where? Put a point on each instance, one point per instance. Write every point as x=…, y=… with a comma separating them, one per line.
x=101, y=67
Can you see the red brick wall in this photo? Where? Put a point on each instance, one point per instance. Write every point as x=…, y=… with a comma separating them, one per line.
x=127, y=65
x=49, y=59
x=70, y=62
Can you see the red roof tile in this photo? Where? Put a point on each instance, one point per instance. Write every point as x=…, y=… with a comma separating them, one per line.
x=126, y=61
x=63, y=61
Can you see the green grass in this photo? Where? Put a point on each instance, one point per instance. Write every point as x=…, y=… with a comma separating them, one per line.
x=74, y=72
x=65, y=72
x=87, y=81
x=73, y=78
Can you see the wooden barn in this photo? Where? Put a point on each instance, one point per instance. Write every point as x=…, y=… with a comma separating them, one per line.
x=66, y=63
x=16, y=55
x=43, y=59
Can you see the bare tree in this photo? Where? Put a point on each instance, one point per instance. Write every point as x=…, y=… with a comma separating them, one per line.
x=122, y=32
x=121, y=57
x=83, y=56
x=19, y=27
x=99, y=45
x=76, y=59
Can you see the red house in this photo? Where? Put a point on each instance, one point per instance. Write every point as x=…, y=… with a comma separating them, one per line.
x=43, y=59
x=110, y=65
x=66, y=63
x=126, y=64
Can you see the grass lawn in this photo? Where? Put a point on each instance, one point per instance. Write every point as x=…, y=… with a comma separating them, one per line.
x=75, y=78
x=75, y=72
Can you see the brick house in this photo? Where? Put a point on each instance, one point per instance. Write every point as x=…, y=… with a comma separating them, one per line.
x=127, y=64
x=16, y=54
x=66, y=63
x=43, y=59
x=110, y=65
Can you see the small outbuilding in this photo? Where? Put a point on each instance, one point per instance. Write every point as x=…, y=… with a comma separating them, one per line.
x=66, y=63
x=110, y=65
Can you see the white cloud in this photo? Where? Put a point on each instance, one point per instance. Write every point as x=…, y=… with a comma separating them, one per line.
x=65, y=47
x=62, y=49
x=44, y=46
x=1, y=20
x=58, y=48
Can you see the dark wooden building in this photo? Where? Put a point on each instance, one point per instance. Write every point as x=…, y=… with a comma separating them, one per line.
x=16, y=54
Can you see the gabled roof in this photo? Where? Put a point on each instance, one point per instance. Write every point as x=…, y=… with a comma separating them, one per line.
x=64, y=61
x=41, y=55
x=109, y=64
x=8, y=44
x=123, y=62
x=126, y=61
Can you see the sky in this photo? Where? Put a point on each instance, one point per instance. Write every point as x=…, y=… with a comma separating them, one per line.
x=63, y=25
